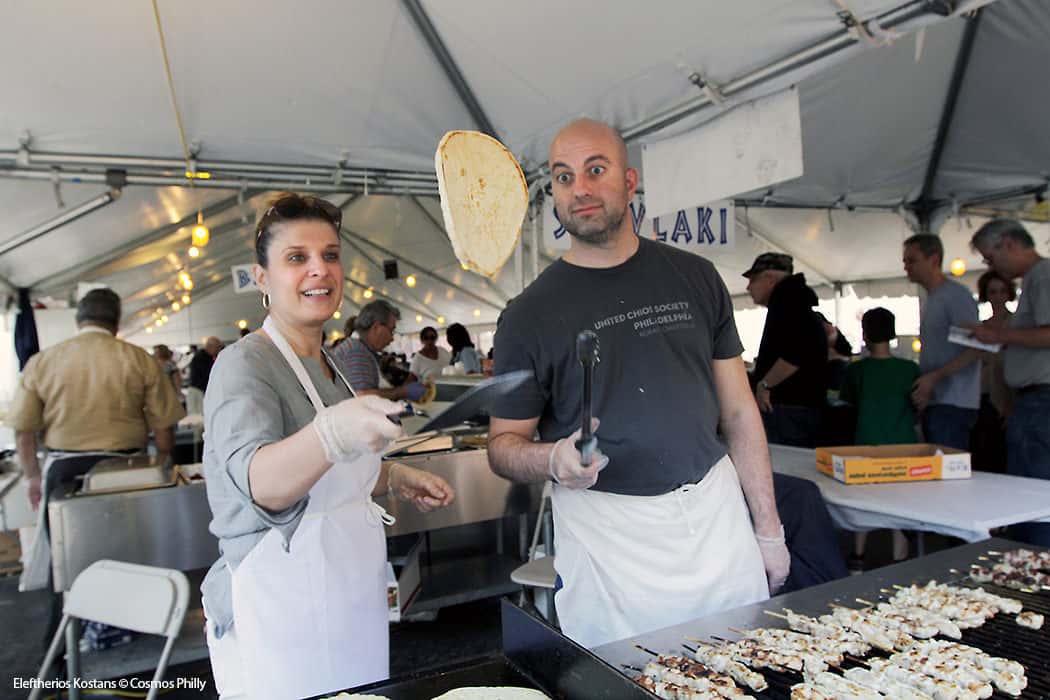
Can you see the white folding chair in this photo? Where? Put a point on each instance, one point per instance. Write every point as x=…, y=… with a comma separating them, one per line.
x=145, y=599
x=539, y=573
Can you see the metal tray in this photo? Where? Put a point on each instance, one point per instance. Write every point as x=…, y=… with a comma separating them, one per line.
x=126, y=474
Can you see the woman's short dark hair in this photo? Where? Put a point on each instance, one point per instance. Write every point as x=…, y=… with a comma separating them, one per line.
x=458, y=337
x=428, y=329
x=879, y=325
x=984, y=280
x=289, y=206
x=101, y=307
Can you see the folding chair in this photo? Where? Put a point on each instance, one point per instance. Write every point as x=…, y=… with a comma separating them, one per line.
x=539, y=573
x=144, y=599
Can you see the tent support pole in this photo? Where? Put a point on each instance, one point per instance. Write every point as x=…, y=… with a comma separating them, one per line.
x=448, y=65
x=926, y=204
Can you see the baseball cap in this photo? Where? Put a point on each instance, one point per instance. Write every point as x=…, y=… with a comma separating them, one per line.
x=771, y=261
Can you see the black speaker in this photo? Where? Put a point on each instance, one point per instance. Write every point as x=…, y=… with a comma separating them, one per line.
x=390, y=269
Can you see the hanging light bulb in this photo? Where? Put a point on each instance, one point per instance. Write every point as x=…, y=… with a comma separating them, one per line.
x=187, y=283
x=158, y=323
x=916, y=345
x=368, y=293
x=477, y=312
x=159, y=311
x=164, y=318
x=441, y=320
x=194, y=252
x=419, y=318
x=185, y=299
x=958, y=267
x=175, y=306
x=149, y=329
x=201, y=233
x=337, y=315
x=410, y=280
x=242, y=324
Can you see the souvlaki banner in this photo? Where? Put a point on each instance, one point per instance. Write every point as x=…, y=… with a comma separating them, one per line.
x=699, y=229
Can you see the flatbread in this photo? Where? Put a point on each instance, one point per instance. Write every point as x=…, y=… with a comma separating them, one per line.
x=505, y=693
x=484, y=198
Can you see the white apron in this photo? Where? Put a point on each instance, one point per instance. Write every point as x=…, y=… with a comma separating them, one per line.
x=36, y=564
x=313, y=619
x=634, y=564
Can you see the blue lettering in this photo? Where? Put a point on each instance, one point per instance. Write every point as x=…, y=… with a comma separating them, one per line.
x=637, y=216
x=657, y=233
x=681, y=228
x=703, y=215
x=724, y=213
x=560, y=230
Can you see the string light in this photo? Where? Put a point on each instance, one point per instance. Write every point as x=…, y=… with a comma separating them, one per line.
x=337, y=315
x=958, y=267
x=441, y=320
x=187, y=283
x=201, y=233
x=419, y=318
x=242, y=324
x=368, y=293
x=158, y=323
x=477, y=312
x=410, y=280
x=149, y=329
x=164, y=317
x=175, y=306
x=194, y=251
x=185, y=299
x=916, y=345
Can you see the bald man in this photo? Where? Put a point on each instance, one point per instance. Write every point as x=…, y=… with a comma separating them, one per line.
x=200, y=371
x=655, y=531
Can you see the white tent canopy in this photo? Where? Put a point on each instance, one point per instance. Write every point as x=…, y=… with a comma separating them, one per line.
x=349, y=99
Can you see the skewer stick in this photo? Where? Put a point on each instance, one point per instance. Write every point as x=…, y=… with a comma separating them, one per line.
x=836, y=605
x=734, y=630
x=900, y=588
x=691, y=650
x=865, y=602
x=983, y=559
x=994, y=553
x=857, y=660
x=774, y=614
x=647, y=651
x=629, y=667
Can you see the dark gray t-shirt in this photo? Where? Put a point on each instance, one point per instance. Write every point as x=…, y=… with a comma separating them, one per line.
x=661, y=318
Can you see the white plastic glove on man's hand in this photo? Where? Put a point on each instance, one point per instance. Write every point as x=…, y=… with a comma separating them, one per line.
x=565, y=464
x=356, y=426
x=776, y=559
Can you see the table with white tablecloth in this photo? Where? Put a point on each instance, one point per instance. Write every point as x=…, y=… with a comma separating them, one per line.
x=963, y=508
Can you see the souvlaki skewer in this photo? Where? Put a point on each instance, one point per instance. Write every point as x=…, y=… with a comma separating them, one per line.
x=722, y=661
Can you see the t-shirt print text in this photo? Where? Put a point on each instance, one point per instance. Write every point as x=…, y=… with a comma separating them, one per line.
x=655, y=318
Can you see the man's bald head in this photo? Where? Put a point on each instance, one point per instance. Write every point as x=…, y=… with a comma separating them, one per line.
x=212, y=346
x=592, y=183
x=594, y=132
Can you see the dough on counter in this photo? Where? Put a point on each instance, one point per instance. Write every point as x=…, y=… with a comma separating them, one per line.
x=497, y=693
x=484, y=198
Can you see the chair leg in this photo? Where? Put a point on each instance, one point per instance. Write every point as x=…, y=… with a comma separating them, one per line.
x=162, y=666
x=49, y=658
x=73, y=656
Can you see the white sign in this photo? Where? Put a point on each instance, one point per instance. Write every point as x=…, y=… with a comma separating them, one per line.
x=243, y=282
x=751, y=147
x=696, y=229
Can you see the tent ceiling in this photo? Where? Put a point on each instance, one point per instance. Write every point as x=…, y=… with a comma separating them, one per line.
x=250, y=90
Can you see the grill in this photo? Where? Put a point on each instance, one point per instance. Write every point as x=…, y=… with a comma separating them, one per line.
x=999, y=636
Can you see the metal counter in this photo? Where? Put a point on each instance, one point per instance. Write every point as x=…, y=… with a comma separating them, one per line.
x=480, y=494
x=169, y=526
x=159, y=527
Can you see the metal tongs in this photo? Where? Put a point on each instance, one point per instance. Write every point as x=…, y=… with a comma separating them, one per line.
x=587, y=351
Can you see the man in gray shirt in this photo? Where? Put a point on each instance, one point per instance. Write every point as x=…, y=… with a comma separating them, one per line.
x=949, y=391
x=1009, y=249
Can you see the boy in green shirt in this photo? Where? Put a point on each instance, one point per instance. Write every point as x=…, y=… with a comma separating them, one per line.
x=880, y=387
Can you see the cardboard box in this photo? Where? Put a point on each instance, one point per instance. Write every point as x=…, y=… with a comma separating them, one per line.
x=866, y=464
x=401, y=590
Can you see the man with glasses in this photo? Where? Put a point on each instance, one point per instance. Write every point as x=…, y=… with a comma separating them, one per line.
x=430, y=359
x=1010, y=250
x=359, y=358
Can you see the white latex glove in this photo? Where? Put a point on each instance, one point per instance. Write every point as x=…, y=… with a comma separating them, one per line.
x=356, y=426
x=776, y=559
x=565, y=464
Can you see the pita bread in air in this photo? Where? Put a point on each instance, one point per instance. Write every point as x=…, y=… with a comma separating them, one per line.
x=484, y=198
x=479, y=693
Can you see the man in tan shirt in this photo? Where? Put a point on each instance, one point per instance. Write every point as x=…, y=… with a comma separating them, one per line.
x=91, y=393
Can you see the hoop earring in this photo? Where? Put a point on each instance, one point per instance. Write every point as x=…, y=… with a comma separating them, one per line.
x=265, y=300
